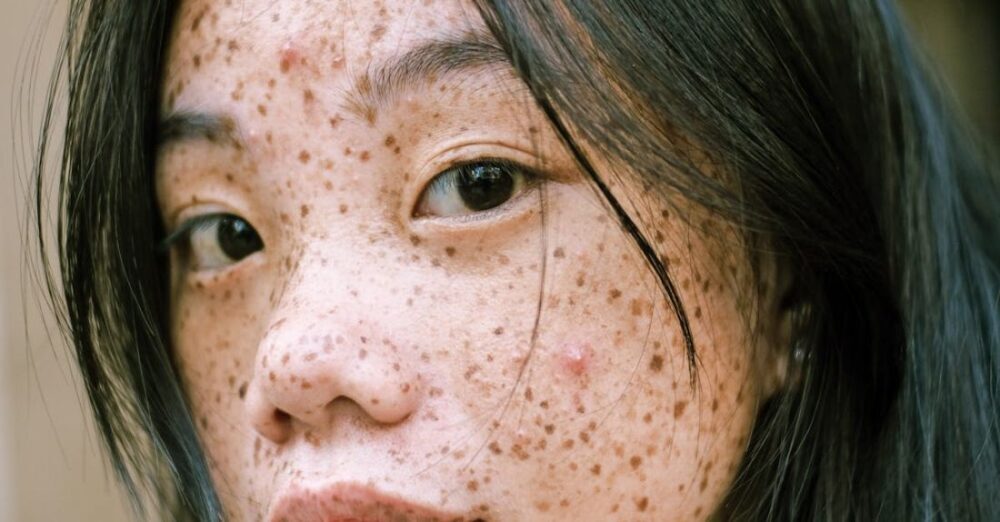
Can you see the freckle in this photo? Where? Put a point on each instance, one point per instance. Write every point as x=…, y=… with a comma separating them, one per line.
x=304, y=156
x=656, y=363
x=287, y=57
x=197, y=19
x=284, y=218
x=390, y=140
x=715, y=404
x=262, y=109
x=267, y=137
x=614, y=294
x=472, y=485
x=347, y=151
x=415, y=240
x=642, y=503
x=647, y=418
x=362, y=353
x=334, y=121
x=272, y=377
x=559, y=253
x=549, y=429
x=635, y=461
x=229, y=177
x=343, y=208
x=197, y=61
x=579, y=279
x=377, y=33
x=679, y=407
x=304, y=210
x=243, y=390
x=498, y=330
x=544, y=405
x=308, y=96
x=495, y=448
x=284, y=359
x=697, y=312
x=584, y=437
x=365, y=155
x=306, y=385
x=704, y=483
x=595, y=469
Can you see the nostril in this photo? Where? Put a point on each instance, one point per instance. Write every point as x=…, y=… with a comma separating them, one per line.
x=281, y=417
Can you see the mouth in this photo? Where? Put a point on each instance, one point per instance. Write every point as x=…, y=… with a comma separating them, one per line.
x=347, y=502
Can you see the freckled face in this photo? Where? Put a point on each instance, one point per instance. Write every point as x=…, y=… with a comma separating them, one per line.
x=357, y=273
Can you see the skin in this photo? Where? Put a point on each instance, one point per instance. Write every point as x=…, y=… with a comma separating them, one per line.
x=368, y=345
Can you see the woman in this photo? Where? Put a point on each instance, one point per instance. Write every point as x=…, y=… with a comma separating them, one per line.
x=528, y=261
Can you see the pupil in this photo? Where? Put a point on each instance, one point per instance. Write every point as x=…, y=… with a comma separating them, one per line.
x=237, y=238
x=486, y=186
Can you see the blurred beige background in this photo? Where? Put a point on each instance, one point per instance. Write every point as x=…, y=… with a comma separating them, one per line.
x=50, y=465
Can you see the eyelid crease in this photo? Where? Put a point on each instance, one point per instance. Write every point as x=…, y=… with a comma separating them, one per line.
x=184, y=229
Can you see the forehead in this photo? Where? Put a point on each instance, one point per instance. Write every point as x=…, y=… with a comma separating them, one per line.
x=326, y=40
x=362, y=25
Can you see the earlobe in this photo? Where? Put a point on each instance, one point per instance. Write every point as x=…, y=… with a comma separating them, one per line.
x=790, y=351
x=786, y=313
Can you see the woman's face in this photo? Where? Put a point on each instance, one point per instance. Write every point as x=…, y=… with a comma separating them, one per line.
x=406, y=331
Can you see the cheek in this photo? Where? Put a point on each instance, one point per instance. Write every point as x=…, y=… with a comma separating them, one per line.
x=601, y=407
x=215, y=328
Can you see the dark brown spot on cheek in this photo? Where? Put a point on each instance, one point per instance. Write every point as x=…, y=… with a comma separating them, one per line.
x=656, y=363
x=304, y=156
x=679, y=408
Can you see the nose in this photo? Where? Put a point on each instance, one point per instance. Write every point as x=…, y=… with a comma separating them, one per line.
x=300, y=372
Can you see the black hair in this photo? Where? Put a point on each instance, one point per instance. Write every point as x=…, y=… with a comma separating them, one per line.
x=838, y=151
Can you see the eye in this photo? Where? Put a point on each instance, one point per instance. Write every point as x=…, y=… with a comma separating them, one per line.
x=471, y=188
x=217, y=240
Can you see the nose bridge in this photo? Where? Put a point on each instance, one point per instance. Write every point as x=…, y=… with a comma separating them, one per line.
x=314, y=355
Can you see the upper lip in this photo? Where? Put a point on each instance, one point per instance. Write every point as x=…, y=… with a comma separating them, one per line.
x=350, y=502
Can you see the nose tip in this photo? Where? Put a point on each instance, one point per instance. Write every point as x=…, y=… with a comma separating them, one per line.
x=303, y=385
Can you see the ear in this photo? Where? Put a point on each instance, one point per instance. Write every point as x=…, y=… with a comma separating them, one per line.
x=781, y=312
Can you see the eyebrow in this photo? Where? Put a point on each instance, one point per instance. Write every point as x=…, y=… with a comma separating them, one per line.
x=373, y=89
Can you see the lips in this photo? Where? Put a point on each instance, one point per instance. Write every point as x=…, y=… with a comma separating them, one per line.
x=346, y=502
